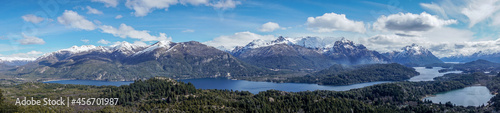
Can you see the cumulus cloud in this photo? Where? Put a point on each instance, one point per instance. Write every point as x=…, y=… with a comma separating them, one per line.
x=108, y=3
x=93, y=11
x=118, y=16
x=125, y=31
x=32, y=18
x=330, y=22
x=188, y=31
x=102, y=41
x=410, y=22
x=75, y=20
x=269, y=27
x=143, y=7
x=237, y=39
x=28, y=40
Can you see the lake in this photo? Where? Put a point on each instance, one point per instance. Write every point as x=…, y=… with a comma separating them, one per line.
x=91, y=82
x=429, y=74
x=468, y=96
x=256, y=87
x=240, y=85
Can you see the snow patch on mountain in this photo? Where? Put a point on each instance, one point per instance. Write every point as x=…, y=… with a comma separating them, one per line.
x=261, y=43
x=159, y=44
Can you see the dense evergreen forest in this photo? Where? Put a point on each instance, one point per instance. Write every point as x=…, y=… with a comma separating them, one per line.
x=167, y=95
x=345, y=75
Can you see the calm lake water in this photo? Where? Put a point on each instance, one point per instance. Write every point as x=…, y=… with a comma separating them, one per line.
x=256, y=87
x=240, y=85
x=91, y=82
x=429, y=74
x=468, y=96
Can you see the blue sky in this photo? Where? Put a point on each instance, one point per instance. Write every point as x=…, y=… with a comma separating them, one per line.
x=31, y=28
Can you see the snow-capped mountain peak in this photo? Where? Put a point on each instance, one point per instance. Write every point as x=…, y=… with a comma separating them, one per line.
x=123, y=46
x=77, y=49
x=414, y=49
x=159, y=44
x=343, y=42
x=314, y=42
x=261, y=43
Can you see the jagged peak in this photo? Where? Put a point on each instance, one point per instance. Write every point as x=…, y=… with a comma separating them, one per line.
x=82, y=48
x=163, y=43
x=159, y=44
x=347, y=44
x=76, y=49
x=414, y=49
x=124, y=46
x=280, y=39
x=262, y=43
x=343, y=41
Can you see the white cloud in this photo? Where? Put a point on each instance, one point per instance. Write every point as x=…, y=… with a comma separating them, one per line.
x=467, y=11
x=388, y=43
x=32, y=18
x=435, y=8
x=237, y=39
x=102, y=41
x=85, y=40
x=330, y=22
x=108, y=3
x=225, y=4
x=140, y=43
x=188, y=31
x=125, y=31
x=496, y=19
x=410, y=22
x=194, y=2
x=75, y=20
x=479, y=10
x=97, y=22
x=442, y=42
x=93, y=11
x=448, y=34
x=143, y=7
x=269, y=27
x=118, y=16
x=28, y=55
x=28, y=40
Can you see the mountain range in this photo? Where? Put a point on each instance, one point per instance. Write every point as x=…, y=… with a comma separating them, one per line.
x=493, y=57
x=125, y=61
x=306, y=54
x=413, y=55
